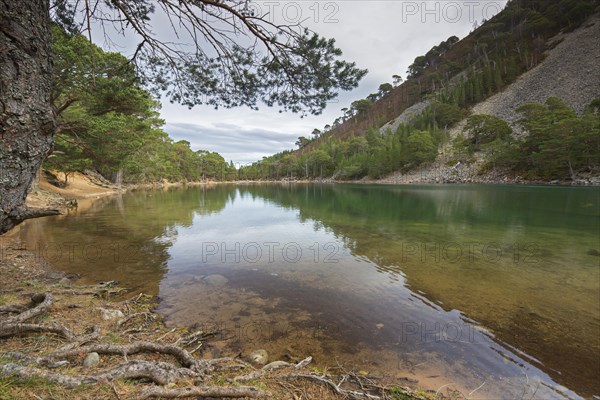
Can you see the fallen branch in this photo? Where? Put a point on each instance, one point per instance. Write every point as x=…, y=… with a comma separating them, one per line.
x=218, y=364
x=128, y=318
x=274, y=366
x=192, y=338
x=349, y=394
x=208, y=391
x=303, y=363
x=136, y=299
x=165, y=335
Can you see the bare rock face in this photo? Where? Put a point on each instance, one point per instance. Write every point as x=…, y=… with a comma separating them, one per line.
x=570, y=71
x=405, y=117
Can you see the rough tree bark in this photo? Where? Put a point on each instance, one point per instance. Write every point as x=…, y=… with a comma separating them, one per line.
x=27, y=122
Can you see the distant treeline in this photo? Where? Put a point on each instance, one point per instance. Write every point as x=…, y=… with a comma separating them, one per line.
x=557, y=144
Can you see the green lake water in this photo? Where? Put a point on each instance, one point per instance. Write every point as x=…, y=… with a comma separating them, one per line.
x=468, y=285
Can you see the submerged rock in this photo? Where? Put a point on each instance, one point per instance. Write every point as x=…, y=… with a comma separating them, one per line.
x=215, y=280
x=258, y=357
x=65, y=282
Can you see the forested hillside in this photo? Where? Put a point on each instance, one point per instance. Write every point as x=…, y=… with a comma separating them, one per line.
x=548, y=140
x=107, y=122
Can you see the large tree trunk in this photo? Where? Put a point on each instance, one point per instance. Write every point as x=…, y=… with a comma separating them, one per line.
x=27, y=122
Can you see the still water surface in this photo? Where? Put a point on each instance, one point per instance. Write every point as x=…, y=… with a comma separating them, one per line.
x=461, y=285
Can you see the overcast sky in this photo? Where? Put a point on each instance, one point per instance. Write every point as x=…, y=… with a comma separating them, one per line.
x=382, y=36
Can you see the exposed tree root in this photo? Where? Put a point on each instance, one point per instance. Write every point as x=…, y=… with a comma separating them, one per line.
x=158, y=372
x=8, y=330
x=25, y=367
x=36, y=361
x=12, y=308
x=161, y=373
x=15, y=325
x=31, y=213
x=25, y=373
x=41, y=302
x=208, y=391
x=250, y=376
x=93, y=335
x=12, y=290
x=183, y=356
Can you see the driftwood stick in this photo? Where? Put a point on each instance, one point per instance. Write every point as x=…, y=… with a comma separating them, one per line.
x=128, y=318
x=348, y=394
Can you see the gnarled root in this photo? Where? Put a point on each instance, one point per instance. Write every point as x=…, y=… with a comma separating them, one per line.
x=30, y=360
x=183, y=356
x=158, y=372
x=8, y=330
x=207, y=391
x=93, y=334
x=16, y=325
x=41, y=303
x=12, y=308
x=161, y=373
x=24, y=373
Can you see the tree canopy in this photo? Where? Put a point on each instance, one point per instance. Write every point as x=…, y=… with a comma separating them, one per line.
x=220, y=53
x=107, y=122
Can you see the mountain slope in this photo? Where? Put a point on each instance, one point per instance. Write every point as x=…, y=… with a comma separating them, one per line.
x=570, y=71
x=531, y=51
